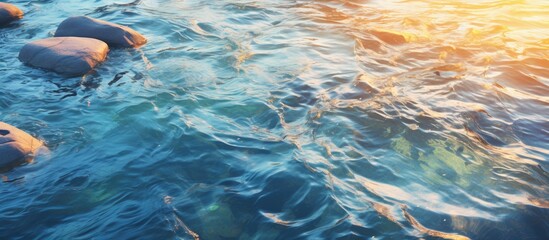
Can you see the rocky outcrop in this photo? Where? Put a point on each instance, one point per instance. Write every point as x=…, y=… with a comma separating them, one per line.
x=70, y=56
x=113, y=34
x=16, y=146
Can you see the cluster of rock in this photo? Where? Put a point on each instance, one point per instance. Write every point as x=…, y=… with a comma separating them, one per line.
x=79, y=44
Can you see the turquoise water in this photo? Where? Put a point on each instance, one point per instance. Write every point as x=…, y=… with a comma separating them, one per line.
x=286, y=120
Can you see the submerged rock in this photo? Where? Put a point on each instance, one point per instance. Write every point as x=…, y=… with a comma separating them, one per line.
x=16, y=146
x=219, y=222
x=391, y=37
x=113, y=34
x=71, y=56
x=9, y=13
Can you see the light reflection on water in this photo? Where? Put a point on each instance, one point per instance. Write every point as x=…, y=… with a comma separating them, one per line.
x=284, y=120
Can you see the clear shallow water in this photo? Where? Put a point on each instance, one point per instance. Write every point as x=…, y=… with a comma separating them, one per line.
x=286, y=120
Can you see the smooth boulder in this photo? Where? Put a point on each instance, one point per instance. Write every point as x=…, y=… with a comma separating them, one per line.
x=113, y=34
x=9, y=13
x=70, y=56
x=16, y=146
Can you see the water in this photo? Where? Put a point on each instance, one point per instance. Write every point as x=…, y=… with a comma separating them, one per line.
x=286, y=120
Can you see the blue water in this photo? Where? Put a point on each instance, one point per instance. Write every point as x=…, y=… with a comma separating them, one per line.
x=286, y=120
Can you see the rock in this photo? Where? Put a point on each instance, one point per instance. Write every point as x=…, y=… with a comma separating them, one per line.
x=390, y=37
x=16, y=146
x=113, y=34
x=9, y=13
x=221, y=216
x=70, y=56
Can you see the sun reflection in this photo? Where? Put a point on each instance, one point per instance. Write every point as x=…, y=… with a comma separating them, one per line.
x=473, y=68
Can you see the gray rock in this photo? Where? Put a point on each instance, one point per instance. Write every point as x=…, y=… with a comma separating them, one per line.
x=16, y=146
x=9, y=13
x=113, y=34
x=70, y=56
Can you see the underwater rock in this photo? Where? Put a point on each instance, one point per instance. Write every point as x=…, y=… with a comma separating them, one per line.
x=113, y=34
x=71, y=56
x=9, y=13
x=219, y=222
x=393, y=38
x=16, y=146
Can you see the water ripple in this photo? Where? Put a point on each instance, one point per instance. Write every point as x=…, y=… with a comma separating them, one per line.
x=290, y=120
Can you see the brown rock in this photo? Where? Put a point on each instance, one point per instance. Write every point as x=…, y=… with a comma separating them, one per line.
x=16, y=146
x=113, y=34
x=9, y=13
x=71, y=56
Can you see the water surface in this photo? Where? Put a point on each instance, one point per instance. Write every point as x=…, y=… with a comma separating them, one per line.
x=286, y=119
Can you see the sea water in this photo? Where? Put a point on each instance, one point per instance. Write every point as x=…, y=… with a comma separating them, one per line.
x=287, y=119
